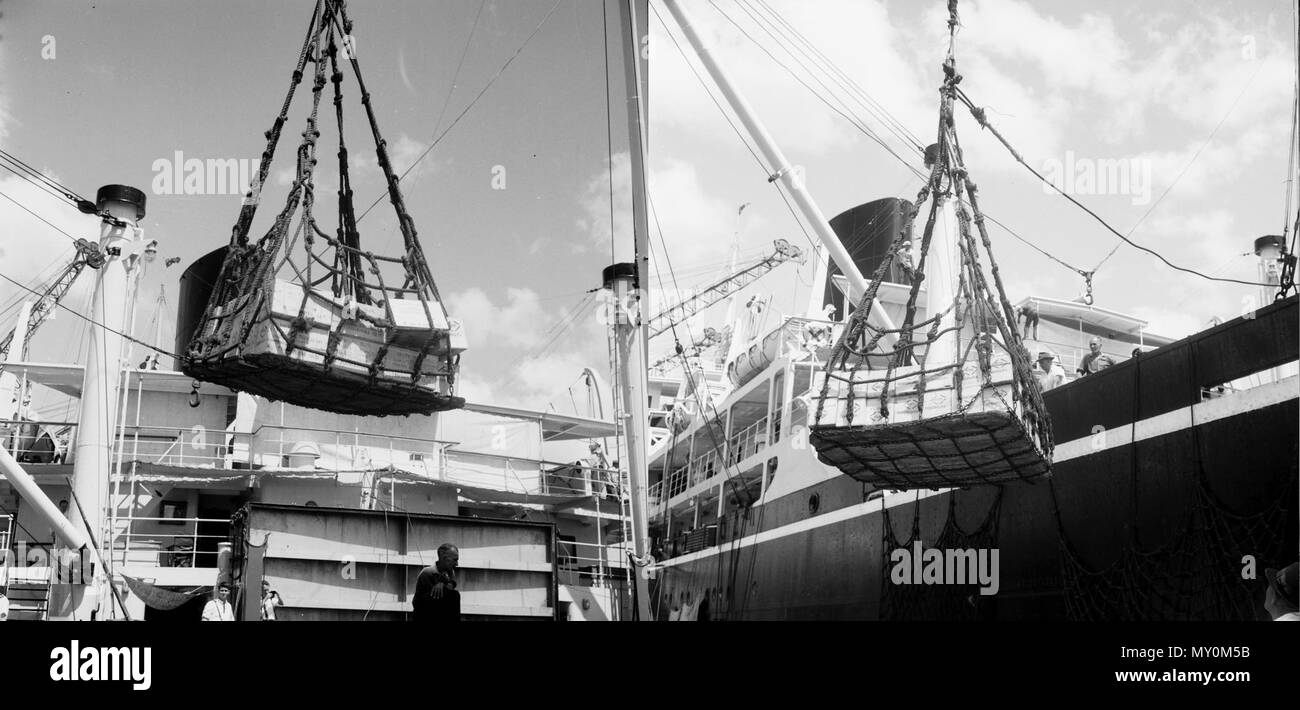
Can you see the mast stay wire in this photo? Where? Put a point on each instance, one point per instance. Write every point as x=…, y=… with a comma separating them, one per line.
x=735, y=482
x=42, y=278
x=982, y=118
x=1292, y=174
x=54, y=188
x=1087, y=274
x=1186, y=167
x=60, y=190
x=916, y=173
x=49, y=224
x=856, y=121
x=739, y=134
x=92, y=321
x=841, y=77
x=41, y=186
x=438, y=139
x=897, y=127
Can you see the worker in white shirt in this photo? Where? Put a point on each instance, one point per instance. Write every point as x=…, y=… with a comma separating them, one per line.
x=219, y=609
x=1049, y=373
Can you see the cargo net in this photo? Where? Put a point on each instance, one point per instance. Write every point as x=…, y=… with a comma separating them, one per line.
x=905, y=594
x=309, y=317
x=896, y=412
x=1197, y=576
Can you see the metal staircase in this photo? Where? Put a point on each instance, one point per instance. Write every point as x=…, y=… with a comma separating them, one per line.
x=29, y=600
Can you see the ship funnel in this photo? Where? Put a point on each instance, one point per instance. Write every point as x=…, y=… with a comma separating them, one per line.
x=121, y=201
x=867, y=231
x=195, y=288
x=1269, y=247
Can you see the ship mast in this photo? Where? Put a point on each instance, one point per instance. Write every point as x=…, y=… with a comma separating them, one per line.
x=785, y=173
x=631, y=335
x=120, y=239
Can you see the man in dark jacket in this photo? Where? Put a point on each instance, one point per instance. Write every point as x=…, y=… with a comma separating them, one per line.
x=436, y=597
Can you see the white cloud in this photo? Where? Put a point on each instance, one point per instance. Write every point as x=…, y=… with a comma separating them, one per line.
x=697, y=226
x=402, y=154
x=541, y=376
x=519, y=322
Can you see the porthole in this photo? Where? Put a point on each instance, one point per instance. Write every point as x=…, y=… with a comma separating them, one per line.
x=814, y=503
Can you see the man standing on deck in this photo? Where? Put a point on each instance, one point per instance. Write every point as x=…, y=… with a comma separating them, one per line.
x=1096, y=360
x=270, y=600
x=218, y=608
x=1049, y=374
x=598, y=472
x=436, y=597
x=1029, y=312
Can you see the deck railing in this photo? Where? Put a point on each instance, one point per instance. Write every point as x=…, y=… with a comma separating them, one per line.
x=594, y=565
x=145, y=542
x=740, y=446
x=747, y=441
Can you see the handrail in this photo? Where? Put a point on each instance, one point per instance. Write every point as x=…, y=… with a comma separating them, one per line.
x=543, y=462
x=183, y=552
x=260, y=427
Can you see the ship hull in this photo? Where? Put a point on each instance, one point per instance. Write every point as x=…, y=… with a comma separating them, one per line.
x=1162, y=505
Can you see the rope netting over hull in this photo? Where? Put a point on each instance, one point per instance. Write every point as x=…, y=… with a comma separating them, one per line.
x=1197, y=576
x=956, y=402
x=918, y=600
x=309, y=317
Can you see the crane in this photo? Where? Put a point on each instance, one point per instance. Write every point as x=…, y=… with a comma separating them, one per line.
x=710, y=338
x=88, y=254
x=664, y=320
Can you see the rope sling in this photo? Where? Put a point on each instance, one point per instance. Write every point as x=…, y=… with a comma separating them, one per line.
x=335, y=334
x=927, y=426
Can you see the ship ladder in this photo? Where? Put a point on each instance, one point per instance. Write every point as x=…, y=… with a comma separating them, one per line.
x=328, y=325
x=29, y=600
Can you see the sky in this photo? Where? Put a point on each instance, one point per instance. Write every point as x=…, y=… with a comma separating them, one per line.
x=1193, y=97
x=498, y=204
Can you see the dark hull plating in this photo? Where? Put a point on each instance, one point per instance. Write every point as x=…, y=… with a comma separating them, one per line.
x=1176, y=526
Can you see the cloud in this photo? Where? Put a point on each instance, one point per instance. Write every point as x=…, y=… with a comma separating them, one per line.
x=402, y=154
x=696, y=226
x=1182, y=75
x=519, y=322
x=541, y=376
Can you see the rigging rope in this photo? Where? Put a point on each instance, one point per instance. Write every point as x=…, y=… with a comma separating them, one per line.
x=1025, y=453
x=36, y=177
x=981, y=117
x=241, y=343
x=735, y=482
x=47, y=222
x=90, y=320
x=857, y=123
x=894, y=125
